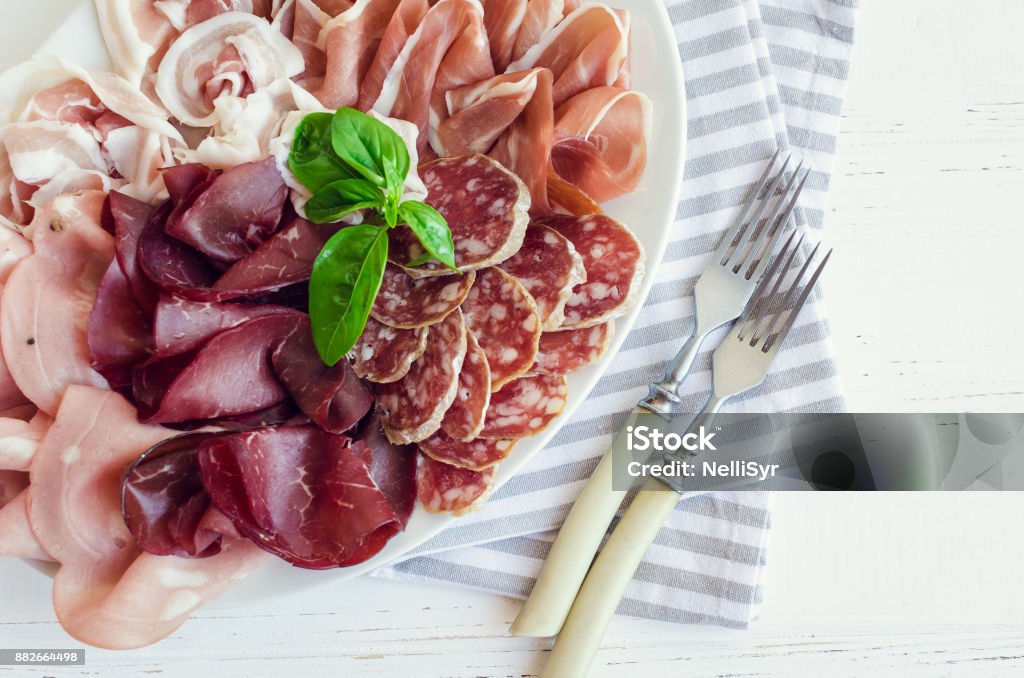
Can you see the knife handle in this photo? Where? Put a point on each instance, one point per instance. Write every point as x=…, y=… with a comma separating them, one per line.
x=606, y=583
x=572, y=551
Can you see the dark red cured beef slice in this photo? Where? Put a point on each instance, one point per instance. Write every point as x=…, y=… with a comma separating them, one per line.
x=163, y=500
x=235, y=213
x=525, y=407
x=407, y=302
x=412, y=408
x=477, y=454
x=174, y=266
x=230, y=375
x=119, y=332
x=300, y=493
x=443, y=488
x=392, y=467
x=549, y=268
x=384, y=354
x=614, y=260
x=503, y=317
x=182, y=180
x=485, y=205
x=465, y=417
x=130, y=217
x=180, y=325
x=569, y=350
x=332, y=396
x=286, y=258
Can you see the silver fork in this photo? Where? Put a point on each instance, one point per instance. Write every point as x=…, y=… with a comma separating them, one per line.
x=740, y=364
x=726, y=285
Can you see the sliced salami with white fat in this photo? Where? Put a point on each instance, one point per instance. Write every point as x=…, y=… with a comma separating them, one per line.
x=405, y=302
x=549, y=267
x=568, y=350
x=412, y=408
x=384, y=354
x=465, y=417
x=614, y=260
x=503, y=317
x=477, y=454
x=525, y=407
x=486, y=207
x=443, y=488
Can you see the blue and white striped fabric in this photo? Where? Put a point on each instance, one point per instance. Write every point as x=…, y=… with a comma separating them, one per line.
x=759, y=76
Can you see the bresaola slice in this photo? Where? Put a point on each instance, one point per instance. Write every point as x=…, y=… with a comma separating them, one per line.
x=502, y=316
x=477, y=454
x=525, y=407
x=549, y=267
x=384, y=354
x=465, y=418
x=180, y=325
x=485, y=205
x=406, y=302
x=443, y=488
x=284, y=259
x=120, y=333
x=412, y=408
x=568, y=350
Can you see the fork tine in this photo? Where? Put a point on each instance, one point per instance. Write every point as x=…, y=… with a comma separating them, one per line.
x=763, y=250
x=746, y=234
x=774, y=339
x=760, y=300
x=748, y=204
x=770, y=298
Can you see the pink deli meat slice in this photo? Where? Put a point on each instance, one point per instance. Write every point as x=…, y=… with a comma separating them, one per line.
x=477, y=454
x=486, y=207
x=105, y=593
x=502, y=316
x=19, y=440
x=614, y=260
x=384, y=354
x=412, y=408
x=45, y=306
x=568, y=350
x=465, y=417
x=549, y=267
x=525, y=407
x=16, y=536
x=443, y=488
x=407, y=303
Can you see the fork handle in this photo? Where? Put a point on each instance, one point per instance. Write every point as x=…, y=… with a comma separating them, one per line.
x=663, y=395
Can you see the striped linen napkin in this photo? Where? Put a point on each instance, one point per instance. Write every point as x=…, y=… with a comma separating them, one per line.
x=759, y=76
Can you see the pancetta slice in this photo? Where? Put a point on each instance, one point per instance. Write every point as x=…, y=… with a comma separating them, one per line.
x=136, y=33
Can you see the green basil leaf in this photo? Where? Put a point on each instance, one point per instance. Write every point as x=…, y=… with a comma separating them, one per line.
x=431, y=229
x=346, y=278
x=340, y=198
x=312, y=159
x=363, y=143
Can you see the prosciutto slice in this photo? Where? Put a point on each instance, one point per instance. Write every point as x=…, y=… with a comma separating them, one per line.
x=513, y=26
x=349, y=41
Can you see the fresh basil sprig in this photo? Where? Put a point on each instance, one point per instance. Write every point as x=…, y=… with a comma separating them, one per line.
x=351, y=163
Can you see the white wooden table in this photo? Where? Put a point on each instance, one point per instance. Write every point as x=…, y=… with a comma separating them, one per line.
x=925, y=300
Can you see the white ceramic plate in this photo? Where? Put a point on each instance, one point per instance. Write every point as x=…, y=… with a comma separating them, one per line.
x=656, y=71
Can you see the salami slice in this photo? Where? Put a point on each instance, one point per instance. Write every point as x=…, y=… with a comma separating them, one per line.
x=503, y=317
x=525, y=407
x=569, y=350
x=443, y=488
x=384, y=354
x=614, y=260
x=465, y=417
x=406, y=303
x=549, y=267
x=477, y=454
x=411, y=408
x=486, y=207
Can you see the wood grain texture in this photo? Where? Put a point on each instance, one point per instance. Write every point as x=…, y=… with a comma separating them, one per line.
x=926, y=218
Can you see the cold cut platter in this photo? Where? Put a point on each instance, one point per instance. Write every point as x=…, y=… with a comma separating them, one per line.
x=290, y=285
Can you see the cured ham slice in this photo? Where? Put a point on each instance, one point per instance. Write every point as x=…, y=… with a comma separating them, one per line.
x=614, y=260
x=588, y=48
x=443, y=488
x=19, y=440
x=384, y=354
x=601, y=141
x=486, y=208
x=105, y=593
x=502, y=316
x=525, y=407
x=407, y=303
x=477, y=455
x=540, y=17
x=465, y=418
x=403, y=24
x=568, y=350
x=46, y=301
x=232, y=54
x=503, y=19
x=549, y=267
x=136, y=34
x=411, y=409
